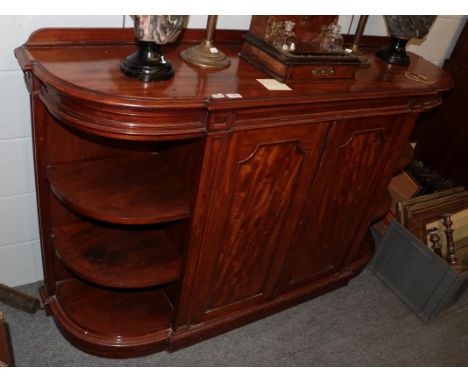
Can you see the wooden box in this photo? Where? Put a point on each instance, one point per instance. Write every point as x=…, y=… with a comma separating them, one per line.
x=307, y=28
x=303, y=65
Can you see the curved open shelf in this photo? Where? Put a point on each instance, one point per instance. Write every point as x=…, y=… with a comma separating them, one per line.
x=118, y=258
x=382, y=208
x=128, y=190
x=406, y=157
x=110, y=323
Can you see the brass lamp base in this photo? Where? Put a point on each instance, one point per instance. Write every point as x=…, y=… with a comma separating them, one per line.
x=205, y=55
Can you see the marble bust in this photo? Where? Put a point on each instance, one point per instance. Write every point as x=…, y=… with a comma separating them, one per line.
x=402, y=29
x=160, y=29
x=148, y=62
x=409, y=26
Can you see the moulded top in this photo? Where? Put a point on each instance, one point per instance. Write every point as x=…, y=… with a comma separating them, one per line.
x=86, y=63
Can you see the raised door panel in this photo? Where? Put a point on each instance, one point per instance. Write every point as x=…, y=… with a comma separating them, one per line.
x=262, y=189
x=263, y=171
x=359, y=154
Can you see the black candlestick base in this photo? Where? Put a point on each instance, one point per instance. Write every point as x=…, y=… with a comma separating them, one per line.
x=147, y=63
x=395, y=52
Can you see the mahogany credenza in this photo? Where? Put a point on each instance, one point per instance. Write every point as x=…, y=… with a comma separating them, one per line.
x=168, y=216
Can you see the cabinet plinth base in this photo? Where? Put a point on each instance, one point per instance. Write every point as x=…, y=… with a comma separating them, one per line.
x=104, y=328
x=189, y=336
x=208, y=329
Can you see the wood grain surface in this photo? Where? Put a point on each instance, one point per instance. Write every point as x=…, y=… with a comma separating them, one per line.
x=136, y=190
x=117, y=257
x=168, y=216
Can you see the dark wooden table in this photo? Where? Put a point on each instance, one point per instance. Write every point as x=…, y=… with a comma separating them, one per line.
x=169, y=216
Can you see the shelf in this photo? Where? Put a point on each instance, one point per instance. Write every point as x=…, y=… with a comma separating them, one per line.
x=130, y=190
x=112, y=323
x=406, y=157
x=382, y=208
x=118, y=258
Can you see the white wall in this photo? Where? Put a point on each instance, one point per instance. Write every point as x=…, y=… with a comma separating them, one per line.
x=20, y=259
x=239, y=22
x=20, y=254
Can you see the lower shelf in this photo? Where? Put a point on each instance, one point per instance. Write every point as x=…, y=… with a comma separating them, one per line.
x=110, y=323
x=116, y=257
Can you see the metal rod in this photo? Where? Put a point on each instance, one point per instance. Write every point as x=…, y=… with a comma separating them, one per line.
x=210, y=27
x=359, y=32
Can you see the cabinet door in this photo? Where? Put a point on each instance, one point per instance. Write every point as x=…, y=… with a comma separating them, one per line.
x=260, y=176
x=356, y=167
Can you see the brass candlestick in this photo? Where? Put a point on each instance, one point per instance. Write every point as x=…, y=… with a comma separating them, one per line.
x=205, y=54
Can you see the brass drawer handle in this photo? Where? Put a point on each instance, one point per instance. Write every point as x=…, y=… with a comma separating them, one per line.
x=323, y=72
